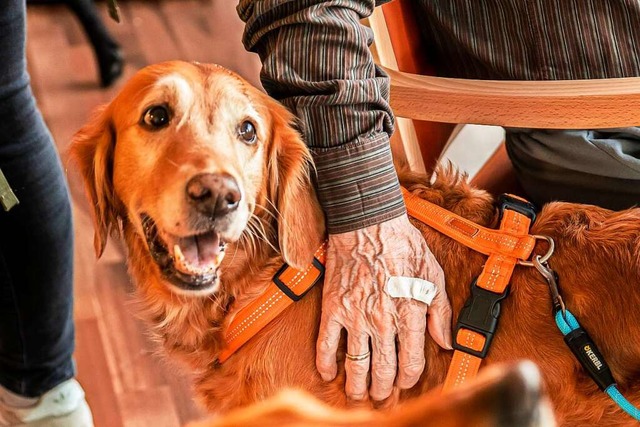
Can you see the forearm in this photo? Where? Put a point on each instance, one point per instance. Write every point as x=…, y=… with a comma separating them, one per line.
x=316, y=61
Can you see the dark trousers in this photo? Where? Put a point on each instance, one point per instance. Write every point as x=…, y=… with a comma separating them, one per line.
x=87, y=13
x=36, y=237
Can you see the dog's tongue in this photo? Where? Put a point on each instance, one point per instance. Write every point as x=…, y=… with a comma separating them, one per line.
x=201, y=254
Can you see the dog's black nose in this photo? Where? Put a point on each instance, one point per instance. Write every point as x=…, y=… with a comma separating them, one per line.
x=213, y=194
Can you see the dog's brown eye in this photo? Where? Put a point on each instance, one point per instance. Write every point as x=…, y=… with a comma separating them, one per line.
x=156, y=117
x=247, y=132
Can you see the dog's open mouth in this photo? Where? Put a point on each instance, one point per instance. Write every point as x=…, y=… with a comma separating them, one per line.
x=191, y=262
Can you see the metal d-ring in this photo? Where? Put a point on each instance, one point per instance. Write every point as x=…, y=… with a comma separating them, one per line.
x=544, y=258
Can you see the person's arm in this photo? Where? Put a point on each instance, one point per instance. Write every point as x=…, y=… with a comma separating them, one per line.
x=316, y=61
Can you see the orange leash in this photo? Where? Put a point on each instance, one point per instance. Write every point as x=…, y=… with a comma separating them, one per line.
x=506, y=246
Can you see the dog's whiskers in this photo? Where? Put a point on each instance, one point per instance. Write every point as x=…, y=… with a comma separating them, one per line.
x=259, y=222
x=215, y=299
x=235, y=253
x=256, y=229
x=277, y=211
x=250, y=266
x=274, y=207
x=245, y=240
x=268, y=211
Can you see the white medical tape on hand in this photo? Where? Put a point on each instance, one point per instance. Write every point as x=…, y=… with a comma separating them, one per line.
x=411, y=287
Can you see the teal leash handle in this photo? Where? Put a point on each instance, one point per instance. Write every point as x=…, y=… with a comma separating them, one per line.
x=591, y=359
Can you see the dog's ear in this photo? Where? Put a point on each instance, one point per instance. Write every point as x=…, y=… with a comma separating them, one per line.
x=300, y=219
x=92, y=151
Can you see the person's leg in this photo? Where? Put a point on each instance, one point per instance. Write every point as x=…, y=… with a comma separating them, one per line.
x=586, y=166
x=105, y=48
x=36, y=237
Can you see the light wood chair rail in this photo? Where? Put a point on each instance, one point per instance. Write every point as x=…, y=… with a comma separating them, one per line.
x=560, y=104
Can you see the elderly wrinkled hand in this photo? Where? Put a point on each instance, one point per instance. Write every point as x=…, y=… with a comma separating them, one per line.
x=369, y=291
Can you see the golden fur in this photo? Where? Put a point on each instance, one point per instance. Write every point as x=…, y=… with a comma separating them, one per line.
x=128, y=170
x=501, y=395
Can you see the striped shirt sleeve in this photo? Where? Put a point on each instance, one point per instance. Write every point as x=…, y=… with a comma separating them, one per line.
x=316, y=61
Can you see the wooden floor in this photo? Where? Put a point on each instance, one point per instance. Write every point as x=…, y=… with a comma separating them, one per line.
x=126, y=381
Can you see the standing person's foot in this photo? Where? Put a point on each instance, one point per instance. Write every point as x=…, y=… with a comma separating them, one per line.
x=62, y=406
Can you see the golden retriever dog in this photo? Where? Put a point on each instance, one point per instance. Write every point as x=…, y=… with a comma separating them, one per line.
x=210, y=186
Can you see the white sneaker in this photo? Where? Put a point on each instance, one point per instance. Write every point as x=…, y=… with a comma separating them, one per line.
x=62, y=406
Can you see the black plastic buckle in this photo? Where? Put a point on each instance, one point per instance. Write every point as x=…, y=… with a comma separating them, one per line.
x=480, y=314
x=507, y=201
x=287, y=290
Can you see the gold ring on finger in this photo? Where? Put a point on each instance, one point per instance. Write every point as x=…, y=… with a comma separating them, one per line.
x=357, y=357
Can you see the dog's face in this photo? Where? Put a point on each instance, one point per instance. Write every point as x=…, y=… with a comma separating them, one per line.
x=187, y=154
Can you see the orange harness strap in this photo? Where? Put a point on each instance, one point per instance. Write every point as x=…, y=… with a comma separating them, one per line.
x=506, y=241
x=478, y=319
x=287, y=286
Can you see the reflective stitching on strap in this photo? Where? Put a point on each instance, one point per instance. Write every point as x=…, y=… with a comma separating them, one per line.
x=250, y=320
x=256, y=315
x=258, y=312
x=439, y=218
